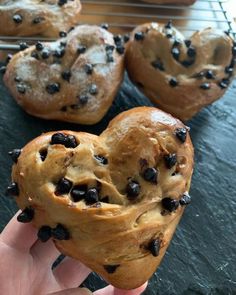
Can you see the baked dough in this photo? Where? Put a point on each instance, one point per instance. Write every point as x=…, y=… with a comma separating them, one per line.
x=181, y=76
x=74, y=79
x=177, y=2
x=35, y=17
x=111, y=201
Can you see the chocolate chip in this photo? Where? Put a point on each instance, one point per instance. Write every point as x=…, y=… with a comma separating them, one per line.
x=66, y=75
x=81, y=49
x=17, y=18
x=91, y=196
x=223, y=85
x=234, y=50
x=101, y=159
x=120, y=49
x=111, y=268
x=38, y=20
x=209, y=75
x=173, y=82
x=139, y=36
x=169, y=34
x=35, y=55
x=93, y=89
x=60, y=233
x=170, y=160
x=3, y=69
x=188, y=63
x=232, y=63
x=44, y=233
x=187, y=42
x=23, y=45
x=43, y=154
x=191, y=51
x=205, y=86
x=126, y=38
x=158, y=65
x=109, y=47
x=88, y=69
x=133, y=190
x=104, y=26
x=26, y=215
x=170, y=204
x=53, y=88
x=83, y=99
x=21, y=88
x=45, y=53
x=117, y=39
x=59, y=52
x=62, y=2
x=9, y=57
x=175, y=53
x=14, y=154
x=39, y=46
x=71, y=141
x=154, y=247
x=62, y=34
x=229, y=70
x=110, y=57
x=105, y=199
x=78, y=192
x=176, y=43
x=63, y=187
x=63, y=43
x=168, y=25
x=185, y=199
x=181, y=134
x=59, y=138
x=150, y=175
x=13, y=189
x=17, y=79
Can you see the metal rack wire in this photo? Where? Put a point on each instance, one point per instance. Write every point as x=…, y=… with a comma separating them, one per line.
x=123, y=15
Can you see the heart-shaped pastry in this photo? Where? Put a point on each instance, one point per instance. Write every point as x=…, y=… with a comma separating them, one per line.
x=74, y=79
x=181, y=76
x=112, y=201
x=35, y=17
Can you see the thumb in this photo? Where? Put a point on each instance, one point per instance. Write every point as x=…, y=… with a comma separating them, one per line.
x=74, y=291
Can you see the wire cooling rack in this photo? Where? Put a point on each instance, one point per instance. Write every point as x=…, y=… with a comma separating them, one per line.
x=123, y=15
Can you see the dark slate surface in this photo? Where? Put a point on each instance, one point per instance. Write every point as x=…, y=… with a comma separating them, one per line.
x=201, y=259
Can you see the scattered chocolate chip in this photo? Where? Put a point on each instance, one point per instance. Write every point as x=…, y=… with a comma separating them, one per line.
x=83, y=99
x=181, y=134
x=53, y=88
x=154, y=247
x=191, y=51
x=176, y=43
x=158, y=65
x=185, y=199
x=59, y=138
x=81, y=49
x=45, y=53
x=223, y=85
x=17, y=79
x=62, y=34
x=169, y=33
x=43, y=154
x=111, y=268
x=188, y=63
x=168, y=25
x=139, y=36
x=78, y=192
x=88, y=69
x=66, y=75
x=59, y=52
x=13, y=189
x=117, y=39
x=101, y=159
x=9, y=57
x=63, y=187
x=209, y=75
x=109, y=47
x=91, y=196
x=170, y=204
x=23, y=45
x=110, y=57
x=14, y=154
x=104, y=26
x=232, y=63
x=44, y=233
x=3, y=69
x=205, y=86
x=187, y=42
x=105, y=200
x=126, y=38
x=120, y=49
x=93, y=89
x=60, y=233
x=17, y=18
x=150, y=175
x=229, y=70
x=173, y=82
x=39, y=46
x=170, y=160
x=62, y=2
x=63, y=43
x=38, y=20
x=234, y=50
x=71, y=142
x=133, y=190
x=26, y=215
x=35, y=55
x=21, y=88
x=175, y=53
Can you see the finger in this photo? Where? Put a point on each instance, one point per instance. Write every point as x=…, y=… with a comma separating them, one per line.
x=110, y=290
x=75, y=291
x=71, y=272
x=18, y=235
x=46, y=253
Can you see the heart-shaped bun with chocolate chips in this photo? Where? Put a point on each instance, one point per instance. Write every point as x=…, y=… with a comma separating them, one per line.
x=181, y=76
x=176, y=2
x=34, y=17
x=74, y=79
x=111, y=201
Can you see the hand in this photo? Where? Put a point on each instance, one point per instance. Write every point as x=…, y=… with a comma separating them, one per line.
x=25, y=266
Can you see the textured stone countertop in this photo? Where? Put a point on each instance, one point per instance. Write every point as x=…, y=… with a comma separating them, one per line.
x=202, y=256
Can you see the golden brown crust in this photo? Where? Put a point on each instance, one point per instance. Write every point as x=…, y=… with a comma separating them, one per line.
x=112, y=236
x=34, y=17
x=157, y=59
x=176, y=2
x=86, y=94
